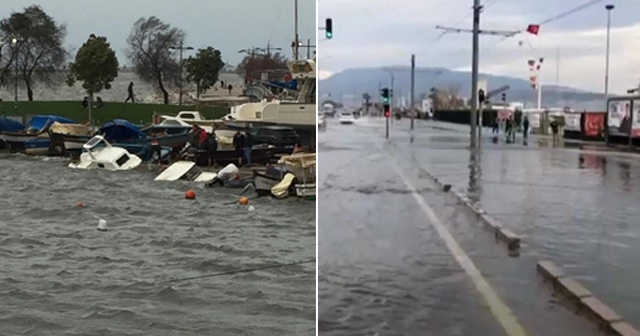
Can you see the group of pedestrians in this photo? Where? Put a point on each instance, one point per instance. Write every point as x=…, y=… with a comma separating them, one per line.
x=509, y=125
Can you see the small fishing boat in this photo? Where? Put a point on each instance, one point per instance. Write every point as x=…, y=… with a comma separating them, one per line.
x=98, y=153
x=36, y=128
x=263, y=181
x=186, y=170
x=8, y=125
x=37, y=146
x=303, y=167
x=58, y=132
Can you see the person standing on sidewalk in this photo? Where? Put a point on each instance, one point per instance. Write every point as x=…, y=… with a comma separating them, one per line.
x=495, y=126
x=525, y=127
x=554, y=129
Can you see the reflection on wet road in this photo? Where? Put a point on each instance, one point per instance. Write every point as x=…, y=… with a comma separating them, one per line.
x=384, y=268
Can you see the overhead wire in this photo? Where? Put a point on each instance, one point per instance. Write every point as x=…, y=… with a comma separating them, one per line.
x=549, y=20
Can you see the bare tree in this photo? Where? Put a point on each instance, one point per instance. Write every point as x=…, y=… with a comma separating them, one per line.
x=149, y=43
x=38, y=51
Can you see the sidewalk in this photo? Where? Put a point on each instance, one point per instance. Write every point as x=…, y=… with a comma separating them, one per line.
x=573, y=207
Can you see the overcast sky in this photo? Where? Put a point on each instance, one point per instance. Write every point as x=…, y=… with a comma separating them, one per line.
x=225, y=25
x=375, y=33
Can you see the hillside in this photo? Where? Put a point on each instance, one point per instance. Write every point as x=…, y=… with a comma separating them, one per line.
x=359, y=81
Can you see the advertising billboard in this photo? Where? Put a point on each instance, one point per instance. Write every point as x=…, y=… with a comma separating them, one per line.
x=619, y=117
x=572, y=122
x=635, y=125
x=593, y=124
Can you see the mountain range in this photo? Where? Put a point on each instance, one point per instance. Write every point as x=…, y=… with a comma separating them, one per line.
x=369, y=80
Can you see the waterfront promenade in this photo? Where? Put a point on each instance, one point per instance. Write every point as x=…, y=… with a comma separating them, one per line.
x=388, y=259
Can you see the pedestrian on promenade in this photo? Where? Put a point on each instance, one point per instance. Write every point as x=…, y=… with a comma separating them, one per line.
x=130, y=91
x=525, y=127
x=230, y=87
x=222, y=84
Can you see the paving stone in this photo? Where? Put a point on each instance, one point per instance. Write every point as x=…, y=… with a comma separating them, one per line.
x=573, y=288
x=624, y=329
x=549, y=270
x=601, y=310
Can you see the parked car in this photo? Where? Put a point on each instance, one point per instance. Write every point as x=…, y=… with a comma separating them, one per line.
x=281, y=137
x=346, y=118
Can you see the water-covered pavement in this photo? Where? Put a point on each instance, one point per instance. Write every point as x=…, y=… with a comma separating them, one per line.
x=575, y=206
x=386, y=267
x=61, y=276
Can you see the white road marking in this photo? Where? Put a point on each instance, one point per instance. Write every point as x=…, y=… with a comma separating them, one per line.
x=498, y=308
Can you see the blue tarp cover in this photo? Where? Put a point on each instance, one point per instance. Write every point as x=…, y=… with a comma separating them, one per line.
x=40, y=121
x=10, y=125
x=121, y=130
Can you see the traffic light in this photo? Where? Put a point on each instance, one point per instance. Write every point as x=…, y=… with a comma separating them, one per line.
x=387, y=111
x=328, y=28
x=504, y=97
x=385, y=96
x=481, y=97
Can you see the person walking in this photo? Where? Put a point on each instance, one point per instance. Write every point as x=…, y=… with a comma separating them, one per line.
x=230, y=87
x=495, y=126
x=525, y=127
x=130, y=91
x=554, y=129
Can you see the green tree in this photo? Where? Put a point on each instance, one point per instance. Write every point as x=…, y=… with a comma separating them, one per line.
x=38, y=51
x=254, y=62
x=96, y=66
x=204, y=68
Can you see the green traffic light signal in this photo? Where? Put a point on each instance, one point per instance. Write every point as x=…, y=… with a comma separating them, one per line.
x=328, y=28
x=329, y=35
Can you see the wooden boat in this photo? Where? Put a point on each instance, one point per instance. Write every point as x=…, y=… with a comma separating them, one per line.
x=303, y=166
x=264, y=180
x=259, y=154
x=36, y=128
x=58, y=132
x=8, y=125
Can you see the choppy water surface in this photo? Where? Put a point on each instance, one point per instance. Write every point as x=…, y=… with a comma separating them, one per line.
x=60, y=275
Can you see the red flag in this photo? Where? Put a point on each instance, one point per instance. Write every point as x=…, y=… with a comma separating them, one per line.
x=533, y=29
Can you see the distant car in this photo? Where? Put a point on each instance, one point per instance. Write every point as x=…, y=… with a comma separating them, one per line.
x=281, y=137
x=346, y=118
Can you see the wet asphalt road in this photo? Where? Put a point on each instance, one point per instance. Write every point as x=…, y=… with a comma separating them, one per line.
x=383, y=268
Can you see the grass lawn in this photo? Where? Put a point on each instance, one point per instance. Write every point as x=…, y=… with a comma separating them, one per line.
x=135, y=113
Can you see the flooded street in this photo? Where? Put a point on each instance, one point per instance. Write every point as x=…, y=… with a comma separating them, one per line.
x=386, y=268
x=63, y=276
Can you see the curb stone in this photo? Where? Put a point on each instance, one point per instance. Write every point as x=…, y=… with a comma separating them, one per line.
x=603, y=314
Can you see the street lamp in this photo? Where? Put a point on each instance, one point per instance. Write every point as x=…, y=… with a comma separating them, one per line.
x=180, y=48
x=609, y=8
x=14, y=43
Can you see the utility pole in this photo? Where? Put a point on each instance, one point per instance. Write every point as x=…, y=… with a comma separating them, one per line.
x=393, y=98
x=180, y=49
x=14, y=41
x=413, y=82
x=476, y=31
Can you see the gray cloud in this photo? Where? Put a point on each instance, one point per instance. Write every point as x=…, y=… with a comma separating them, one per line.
x=226, y=25
x=373, y=33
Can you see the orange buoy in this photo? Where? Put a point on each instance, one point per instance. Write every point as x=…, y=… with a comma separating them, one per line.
x=190, y=194
x=243, y=200
x=79, y=205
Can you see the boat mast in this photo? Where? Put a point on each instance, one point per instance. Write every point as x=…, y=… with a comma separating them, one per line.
x=297, y=39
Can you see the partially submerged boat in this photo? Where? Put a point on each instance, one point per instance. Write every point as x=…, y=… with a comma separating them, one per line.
x=186, y=170
x=303, y=167
x=98, y=153
x=36, y=128
x=122, y=133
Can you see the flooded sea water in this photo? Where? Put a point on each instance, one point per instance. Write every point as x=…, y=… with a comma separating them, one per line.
x=60, y=275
